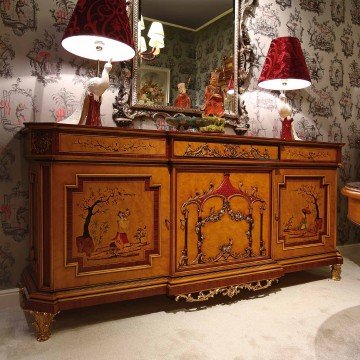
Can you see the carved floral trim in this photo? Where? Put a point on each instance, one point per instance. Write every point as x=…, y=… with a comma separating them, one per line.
x=41, y=142
x=308, y=155
x=227, y=151
x=129, y=147
x=229, y=291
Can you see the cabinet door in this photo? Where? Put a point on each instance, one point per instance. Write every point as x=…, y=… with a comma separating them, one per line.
x=305, y=212
x=109, y=223
x=222, y=219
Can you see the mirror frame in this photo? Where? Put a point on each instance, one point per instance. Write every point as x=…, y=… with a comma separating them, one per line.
x=125, y=107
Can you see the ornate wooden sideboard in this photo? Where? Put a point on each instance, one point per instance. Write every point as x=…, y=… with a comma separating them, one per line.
x=119, y=214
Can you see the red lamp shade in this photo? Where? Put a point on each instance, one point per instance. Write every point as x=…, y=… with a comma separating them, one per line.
x=99, y=30
x=285, y=67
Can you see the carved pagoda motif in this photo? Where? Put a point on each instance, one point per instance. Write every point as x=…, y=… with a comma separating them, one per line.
x=226, y=192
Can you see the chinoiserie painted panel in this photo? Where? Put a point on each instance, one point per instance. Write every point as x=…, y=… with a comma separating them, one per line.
x=112, y=222
x=304, y=212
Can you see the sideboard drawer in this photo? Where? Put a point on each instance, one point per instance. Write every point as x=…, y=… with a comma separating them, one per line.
x=112, y=145
x=308, y=154
x=198, y=149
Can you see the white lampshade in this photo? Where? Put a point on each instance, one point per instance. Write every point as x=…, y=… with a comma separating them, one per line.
x=157, y=41
x=86, y=46
x=139, y=39
x=142, y=44
x=156, y=30
x=141, y=24
x=284, y=84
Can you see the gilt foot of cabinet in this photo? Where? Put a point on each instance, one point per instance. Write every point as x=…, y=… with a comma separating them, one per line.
x=42, y=324
x=336, y=272
x=42, y=321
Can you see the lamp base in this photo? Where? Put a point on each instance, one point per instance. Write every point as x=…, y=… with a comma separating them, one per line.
x=286, y=129
x=93, y=113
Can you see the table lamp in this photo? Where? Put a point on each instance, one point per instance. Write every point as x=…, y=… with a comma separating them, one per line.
x=98, y=30
x=285, y=69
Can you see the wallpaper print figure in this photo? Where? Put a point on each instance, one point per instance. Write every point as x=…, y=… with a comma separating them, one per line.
x=314, y=6
x=267, y=23
x=355, y=12
x=16, y=106
x=14, y=213
x=284, y=4
x=20, y=108
x=314, y=63
x=5, y=108
x=347, y=41
x=322, y=35
x=7, y=158
x=20, y=15
x=7, y=54
x=354, y=136
x=335, y=131
x=346, y=104
x=7, y=261
x=306, y=130
x=294, y=25
x=322, y=103
x=357, y=106
x=42, y=59
x=354, y=74
x=336, y=73
x=338, y=11
x=62, y=13
x=65, y=104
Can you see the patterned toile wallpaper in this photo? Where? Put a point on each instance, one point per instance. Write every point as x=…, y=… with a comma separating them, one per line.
x=39, y=81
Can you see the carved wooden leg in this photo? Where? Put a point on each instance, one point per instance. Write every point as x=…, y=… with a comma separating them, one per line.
x=336, y=272
x=42, y=324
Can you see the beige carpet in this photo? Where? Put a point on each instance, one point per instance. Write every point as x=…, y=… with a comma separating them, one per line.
x=306, y=316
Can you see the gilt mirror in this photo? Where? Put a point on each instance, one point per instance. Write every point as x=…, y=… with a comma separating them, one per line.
x=196, y=39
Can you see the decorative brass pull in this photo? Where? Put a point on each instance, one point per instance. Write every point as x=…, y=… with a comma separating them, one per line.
x=167, y=224
x=276, y=217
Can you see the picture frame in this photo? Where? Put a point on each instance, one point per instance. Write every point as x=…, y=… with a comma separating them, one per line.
x=153, y=86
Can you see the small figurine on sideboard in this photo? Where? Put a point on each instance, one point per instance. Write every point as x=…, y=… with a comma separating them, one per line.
x=214, y=99
x=182, y=99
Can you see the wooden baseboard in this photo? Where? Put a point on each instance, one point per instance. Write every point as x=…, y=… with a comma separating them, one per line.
x=9, y=298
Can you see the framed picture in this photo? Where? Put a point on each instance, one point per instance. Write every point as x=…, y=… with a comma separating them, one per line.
x=153, y=86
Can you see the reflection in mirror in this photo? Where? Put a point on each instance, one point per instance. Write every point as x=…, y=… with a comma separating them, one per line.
x=175, y=61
